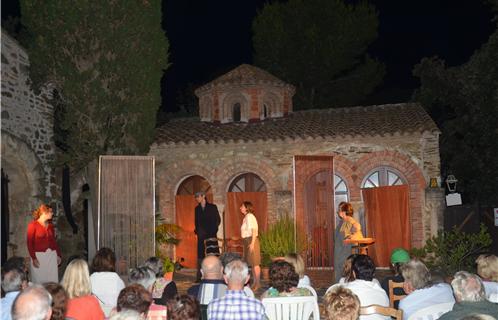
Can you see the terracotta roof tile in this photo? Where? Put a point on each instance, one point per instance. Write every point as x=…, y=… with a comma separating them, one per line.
x=380, y=120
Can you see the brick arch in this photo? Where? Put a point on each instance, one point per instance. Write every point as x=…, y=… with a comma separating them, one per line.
x=227, y=106
x=345, y=168
x=169, y=178
x=411, y=172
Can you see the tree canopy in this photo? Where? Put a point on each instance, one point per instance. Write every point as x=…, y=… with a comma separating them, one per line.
x=463, y=100
x=320, y=47
x=105, y=60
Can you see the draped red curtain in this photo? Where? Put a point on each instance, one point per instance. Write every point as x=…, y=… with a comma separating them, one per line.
x=233, y=217
x=387, y=212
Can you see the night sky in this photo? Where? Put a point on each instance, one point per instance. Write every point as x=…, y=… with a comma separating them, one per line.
x=208, y=38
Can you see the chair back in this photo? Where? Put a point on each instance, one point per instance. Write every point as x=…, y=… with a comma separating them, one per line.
x=235, y=244
x=291, y=308
x=311, y=289
x=392, y=296
x=212, y=246
x=493, y=297
x=385, y=311
x=432, y=312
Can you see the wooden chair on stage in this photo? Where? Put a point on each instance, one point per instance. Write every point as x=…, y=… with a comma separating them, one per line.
x=392, y=296
x=360, y=246
x=385, y=311
x=234, y=244
x=212, y=246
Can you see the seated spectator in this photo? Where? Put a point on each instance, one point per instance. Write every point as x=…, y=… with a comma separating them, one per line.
x=368, y=291
x=399, y=256
x=212, y=284
x=13, y=282
x=59, y=300
x=133, y=297
x=106, y=283
x=298, y=263
x=487, y=269
x=227, y=257
x=163, y=290
x=183, y=307
x=146, y=277
x=236, y=302
x=341, y=304
x=18, y=263
x=347, y=270
x=33, y=303
x=420, y=290
x=283, y=281
x=470, y=297
x=82, y=305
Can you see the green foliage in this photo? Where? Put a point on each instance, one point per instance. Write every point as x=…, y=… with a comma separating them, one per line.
x=452, y=251
x=105, y=59
x=320, y=47
x=167, y=233
x=463, y=101
x=279, y=240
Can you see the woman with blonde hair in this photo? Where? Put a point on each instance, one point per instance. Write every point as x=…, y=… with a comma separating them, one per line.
x=82, y=305
x=298, y=263
x=487, y=269
x=42, y=247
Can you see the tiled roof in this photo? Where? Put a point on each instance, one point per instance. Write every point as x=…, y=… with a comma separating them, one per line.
x=381, y=120
x=244, y=74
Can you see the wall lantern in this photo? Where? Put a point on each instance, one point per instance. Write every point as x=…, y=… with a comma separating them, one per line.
x=451, y=183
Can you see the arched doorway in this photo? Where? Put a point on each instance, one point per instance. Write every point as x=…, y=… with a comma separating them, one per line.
x=185, y=207
x=245, y=187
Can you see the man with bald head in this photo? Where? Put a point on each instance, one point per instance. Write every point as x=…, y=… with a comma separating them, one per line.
x=212, y=284
x=33, y=303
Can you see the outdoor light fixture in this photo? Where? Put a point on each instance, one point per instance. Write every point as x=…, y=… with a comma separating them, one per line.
x=453, y=198
x=451, y=182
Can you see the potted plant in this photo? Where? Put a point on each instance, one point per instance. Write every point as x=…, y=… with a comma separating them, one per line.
x=277, y=241
x=166, y=237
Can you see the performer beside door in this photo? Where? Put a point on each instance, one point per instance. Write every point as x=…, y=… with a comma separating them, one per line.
x=42, y=247
x=249, y=233
x=207, y=220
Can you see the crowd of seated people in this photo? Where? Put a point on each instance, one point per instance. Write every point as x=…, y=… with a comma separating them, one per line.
x=223, y=292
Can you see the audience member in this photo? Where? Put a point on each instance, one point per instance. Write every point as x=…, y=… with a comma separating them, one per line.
x=33, y=303
x=487, y=269
x=298, y=263
x=341, y=304
x=368, y=291
x=212, y=284
x=227, y=257
x=470, y=297
x=82, y=305
x=399, y=256
x=420, y=290
x=59, y=300
x=347, y=271
x=13, y=282
x=163, y=290
x=283, y=281
x=183, y=307
x=236, y=304
x=146, y=277
x=106, y=283
x=134, y=297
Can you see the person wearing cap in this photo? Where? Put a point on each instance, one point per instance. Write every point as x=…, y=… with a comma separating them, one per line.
x=207, y=220
x=399, y=256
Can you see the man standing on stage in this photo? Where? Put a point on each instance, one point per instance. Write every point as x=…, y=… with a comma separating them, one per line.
x=207, y=220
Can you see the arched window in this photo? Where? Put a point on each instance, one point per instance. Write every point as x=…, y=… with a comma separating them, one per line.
x=193, y=184
x=383, y=176
x=265, y=111
x=341, y=192
x=236, y=112
x=247, y=182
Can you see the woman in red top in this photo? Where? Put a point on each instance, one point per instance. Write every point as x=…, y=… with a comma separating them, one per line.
x=43, y=249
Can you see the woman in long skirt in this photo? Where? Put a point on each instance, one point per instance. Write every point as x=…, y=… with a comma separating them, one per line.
x=249, y=233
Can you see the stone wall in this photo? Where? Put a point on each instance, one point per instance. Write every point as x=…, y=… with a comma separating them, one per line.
x=27, y=141
x=415, y=156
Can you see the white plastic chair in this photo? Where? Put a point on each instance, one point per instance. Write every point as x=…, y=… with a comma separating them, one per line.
x=291, y=308
x=432, y=312
x=311, y=289
x=493, y=297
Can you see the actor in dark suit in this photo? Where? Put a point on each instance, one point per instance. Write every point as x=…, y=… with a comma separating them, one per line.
x=207, y=220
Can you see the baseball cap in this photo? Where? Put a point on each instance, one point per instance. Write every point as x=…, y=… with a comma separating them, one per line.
x=199, y=193
x=400, y=255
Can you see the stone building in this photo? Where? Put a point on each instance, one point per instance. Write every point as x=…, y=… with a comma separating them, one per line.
x=249, y=141
x=27, y=143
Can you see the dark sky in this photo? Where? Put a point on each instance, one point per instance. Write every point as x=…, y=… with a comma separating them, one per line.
x=208, y=38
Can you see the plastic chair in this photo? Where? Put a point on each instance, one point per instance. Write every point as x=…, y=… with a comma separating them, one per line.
x=392, y=296
x=432, y=312
x=291, y=308
x=385, y=311
x=311, y=289
x=493, y=297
